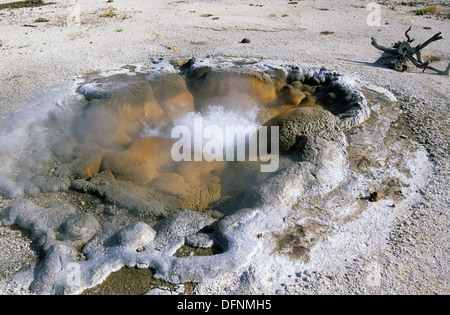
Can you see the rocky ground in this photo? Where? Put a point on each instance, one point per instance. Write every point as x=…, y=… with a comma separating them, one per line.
x=36, y=56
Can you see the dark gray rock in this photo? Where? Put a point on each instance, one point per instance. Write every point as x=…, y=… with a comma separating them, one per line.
x=349, y=105
x=306, y=121
x=295, y=75
x=200, y=240
x=80, y=228
x=41, y=184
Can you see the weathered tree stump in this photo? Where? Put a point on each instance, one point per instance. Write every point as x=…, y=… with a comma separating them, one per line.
x=401, y=52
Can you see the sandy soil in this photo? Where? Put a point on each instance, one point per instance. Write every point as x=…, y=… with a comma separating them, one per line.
x=35, y=56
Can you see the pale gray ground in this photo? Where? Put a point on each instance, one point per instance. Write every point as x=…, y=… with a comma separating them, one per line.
x=414, y=259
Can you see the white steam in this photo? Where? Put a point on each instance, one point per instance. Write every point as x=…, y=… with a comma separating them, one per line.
x=216, y=117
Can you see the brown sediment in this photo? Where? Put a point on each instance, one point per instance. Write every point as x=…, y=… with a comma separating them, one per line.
x=186, y=251
x=290, y=95
x=212, y=86
x=134, y=281
x=297, y=241
x=173, y=96
x=142, y=162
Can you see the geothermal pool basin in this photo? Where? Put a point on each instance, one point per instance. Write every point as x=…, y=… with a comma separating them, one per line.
x=202, y=171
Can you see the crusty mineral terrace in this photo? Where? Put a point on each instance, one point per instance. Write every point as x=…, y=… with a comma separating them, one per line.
x=311, y=213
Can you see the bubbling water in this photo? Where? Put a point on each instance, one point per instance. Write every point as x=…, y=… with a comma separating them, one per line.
x=215, y=115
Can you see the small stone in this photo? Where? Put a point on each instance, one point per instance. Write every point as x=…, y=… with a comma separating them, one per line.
x=374, y=197
x=199, y=240
x=246, y=41
x=80, y=228
x=174, y=48
x=136, y=235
